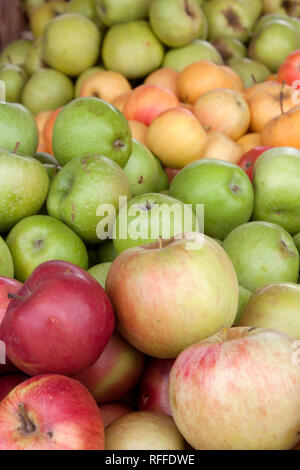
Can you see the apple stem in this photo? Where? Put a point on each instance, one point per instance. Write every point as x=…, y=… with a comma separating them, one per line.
x=16, y=147
x=13, y=295
x=160, y=243
x=27, y=426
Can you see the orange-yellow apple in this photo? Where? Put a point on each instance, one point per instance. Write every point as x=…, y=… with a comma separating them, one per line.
x=221, y=147
x=50, y=412
x=165, y=77
x=105, y=84
x=191, y=293
x=138, y=131
x=148, y=101
x=143, y=430
x=249, y=141
x=118, y=370
x=238, y=390
x=177, y=138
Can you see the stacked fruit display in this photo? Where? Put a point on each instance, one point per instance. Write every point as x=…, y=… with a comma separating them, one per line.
x=150, y=226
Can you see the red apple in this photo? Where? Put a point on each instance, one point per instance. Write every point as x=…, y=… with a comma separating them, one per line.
x=7, y=285
x=171, y=173
x=50, y=412
x=59, y=321
x=248, y=160
x=154, y=391
x=9, y=382
x=118, y=370
x=289, y=71
x=238, y=390
x=112, y=411
x=172, y=293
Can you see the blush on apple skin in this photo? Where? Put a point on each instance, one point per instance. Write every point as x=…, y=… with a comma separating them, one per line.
x=50, y=412
x=112, y=411
x=154, y=390
x=171, y=173
x=60, y=322
x=116, y=372
x=9, y=382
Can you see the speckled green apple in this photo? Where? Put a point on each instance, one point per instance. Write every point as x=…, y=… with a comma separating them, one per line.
x=40, y=238
x=121, y=11
x=199, y=49
x=99, y=272
x=230, y=48
x=250, y=71
x=80, y=188
x=141, y=169
x=6, y=261
x=262, y=253
x=14, y=78
x=88, y=126
x=24, y=185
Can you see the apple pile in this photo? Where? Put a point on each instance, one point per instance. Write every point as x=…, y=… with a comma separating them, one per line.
x=121, y=329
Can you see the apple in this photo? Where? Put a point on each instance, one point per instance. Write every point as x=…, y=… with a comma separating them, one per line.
x=112, y=411
x=34, y=58
x=162, y=179
x=228, y=18
x=50, y=412
x=6, y=261
x=198, y=49
x=15, y=53
x=154, y=388
x=85, y=74
x=24, y=185
x=287, y=7
x=193, y=271
x=106, y=252
x=141, y=169
x=122, y=11
x=277, y=190
x=31, y=5
x=84, y=7
x=143, y=430
x=262, y=48
x=71, y=44
x=116, y=372
x=141, y=50
x=244, y=296
x=99, y=272
x=67, y=330
x=222, y=187
x=289, y=71
x=262, y=253
x=89, y=126
x=216, y=391
x=230, y=48
x=178, y=22
x=40, y=238
x=18, y=130
x=250, y=71
x=42, y=16
x=248, y=160
x=14, y=78
x=85, y=196
x=149, y=217
x=47, y=90
x=9, y=382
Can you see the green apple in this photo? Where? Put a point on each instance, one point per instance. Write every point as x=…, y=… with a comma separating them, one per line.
x=88, y=126
x=230, y=48
x=47, y=90
x=32, y=5
x=162, y=183
x=288, y=7
x=244, y=296
x=41, y=16
x=262, y=253
x=18, y=129
x=140, y=53
x=223, y=188
x=297, y=241
x=106, y=252
x=99, y=272
x=83, y=7
x=71, y=44
x=275, y=306
x=141, y=169
x=277, y=188
x=276, y=16
x=34, y=59
x=15, y=53
x=254, y=7
x=273, y=43
x=85, y=196
x=149, y=217
x=181, y=57
x=87, y=73
x=250, y=71
x=40, y=238
x=24, y=186
x=14, y=78
x=52, y=170
x=228, y=18
x=121, y=11
x=6, y=261
x=176, y=23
